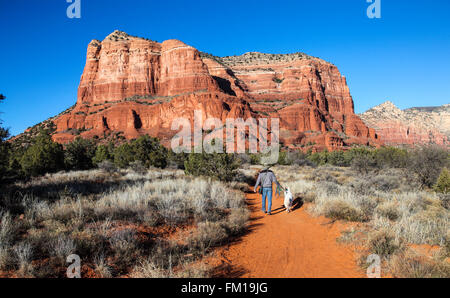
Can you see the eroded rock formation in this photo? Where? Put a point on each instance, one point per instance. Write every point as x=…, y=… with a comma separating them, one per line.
x=414, y=126
x=136, y=86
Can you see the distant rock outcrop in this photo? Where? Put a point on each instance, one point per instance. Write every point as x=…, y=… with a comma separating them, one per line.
x=414, y=126
x=135, y=86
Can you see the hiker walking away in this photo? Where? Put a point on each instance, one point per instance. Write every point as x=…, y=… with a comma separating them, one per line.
x=265, y=180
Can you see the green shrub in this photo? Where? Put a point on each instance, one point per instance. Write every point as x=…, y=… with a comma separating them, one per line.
x=124, y=155
x=79, y=153
x=149, y=152
x=15, y=170
x=244, y=158
x=145, y=149
x=43, y=156
x=4, y=152
x=391, y=157
x=363, y=161
x=283, y=158
x=427, y=162
x=255, y=159
x=443, y=183
x=102, y=153
x=319, y=158
x=362, y=158
x=4, y=148
x=218, y=165
x=297, y=158
x=176, y=160
x=337, y=158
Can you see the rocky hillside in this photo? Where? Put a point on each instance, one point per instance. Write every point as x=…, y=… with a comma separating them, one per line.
x=136, y=86
x=414, y=126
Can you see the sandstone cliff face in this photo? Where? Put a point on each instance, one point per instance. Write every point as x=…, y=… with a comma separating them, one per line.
x=123, y=66
x=137, y=86
x=308, y=94
x=415, y=126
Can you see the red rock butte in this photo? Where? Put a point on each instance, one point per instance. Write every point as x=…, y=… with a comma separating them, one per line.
x=137, y=86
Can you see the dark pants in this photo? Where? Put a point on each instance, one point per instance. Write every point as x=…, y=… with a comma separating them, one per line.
x=267, y=193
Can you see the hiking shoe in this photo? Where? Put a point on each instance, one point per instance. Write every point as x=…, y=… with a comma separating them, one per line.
x=269, y=213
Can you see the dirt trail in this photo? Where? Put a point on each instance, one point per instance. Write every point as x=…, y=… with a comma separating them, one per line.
x=289, y=245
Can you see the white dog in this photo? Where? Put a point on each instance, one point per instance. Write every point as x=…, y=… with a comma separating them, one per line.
x=288, y=199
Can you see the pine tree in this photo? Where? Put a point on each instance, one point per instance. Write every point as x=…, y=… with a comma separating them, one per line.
x=43, y=156
x=4, y=147
x=443, y=183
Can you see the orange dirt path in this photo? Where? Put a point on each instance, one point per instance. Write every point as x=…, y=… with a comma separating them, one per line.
x=290, y=245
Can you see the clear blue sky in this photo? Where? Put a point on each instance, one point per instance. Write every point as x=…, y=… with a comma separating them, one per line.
x=403, y=57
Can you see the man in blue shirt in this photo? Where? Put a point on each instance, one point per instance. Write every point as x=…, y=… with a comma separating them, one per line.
x=266, y=178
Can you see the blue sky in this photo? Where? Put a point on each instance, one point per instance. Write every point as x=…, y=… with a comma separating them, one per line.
x=402, y=57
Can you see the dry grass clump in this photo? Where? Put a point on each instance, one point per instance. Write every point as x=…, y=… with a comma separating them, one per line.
x=8, y=229
x=410, y=264
x=208, y=234
x=102, y=269
x=236, y=221
x=173, y=201
x=61, y=247
x=8, y=234
x=348, y=235
x=24, y=253
x=342, y=210
x=383, y=243
x=388, y=210
x=148, y=269
x=339, y=202
x=4, y=257
x=417, y=217
x=115, y=221
x=309, y=197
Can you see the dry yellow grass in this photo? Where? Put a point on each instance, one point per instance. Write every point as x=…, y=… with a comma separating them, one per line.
x=116, y=222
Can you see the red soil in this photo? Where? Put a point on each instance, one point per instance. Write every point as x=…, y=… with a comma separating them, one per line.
x=289, y=245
